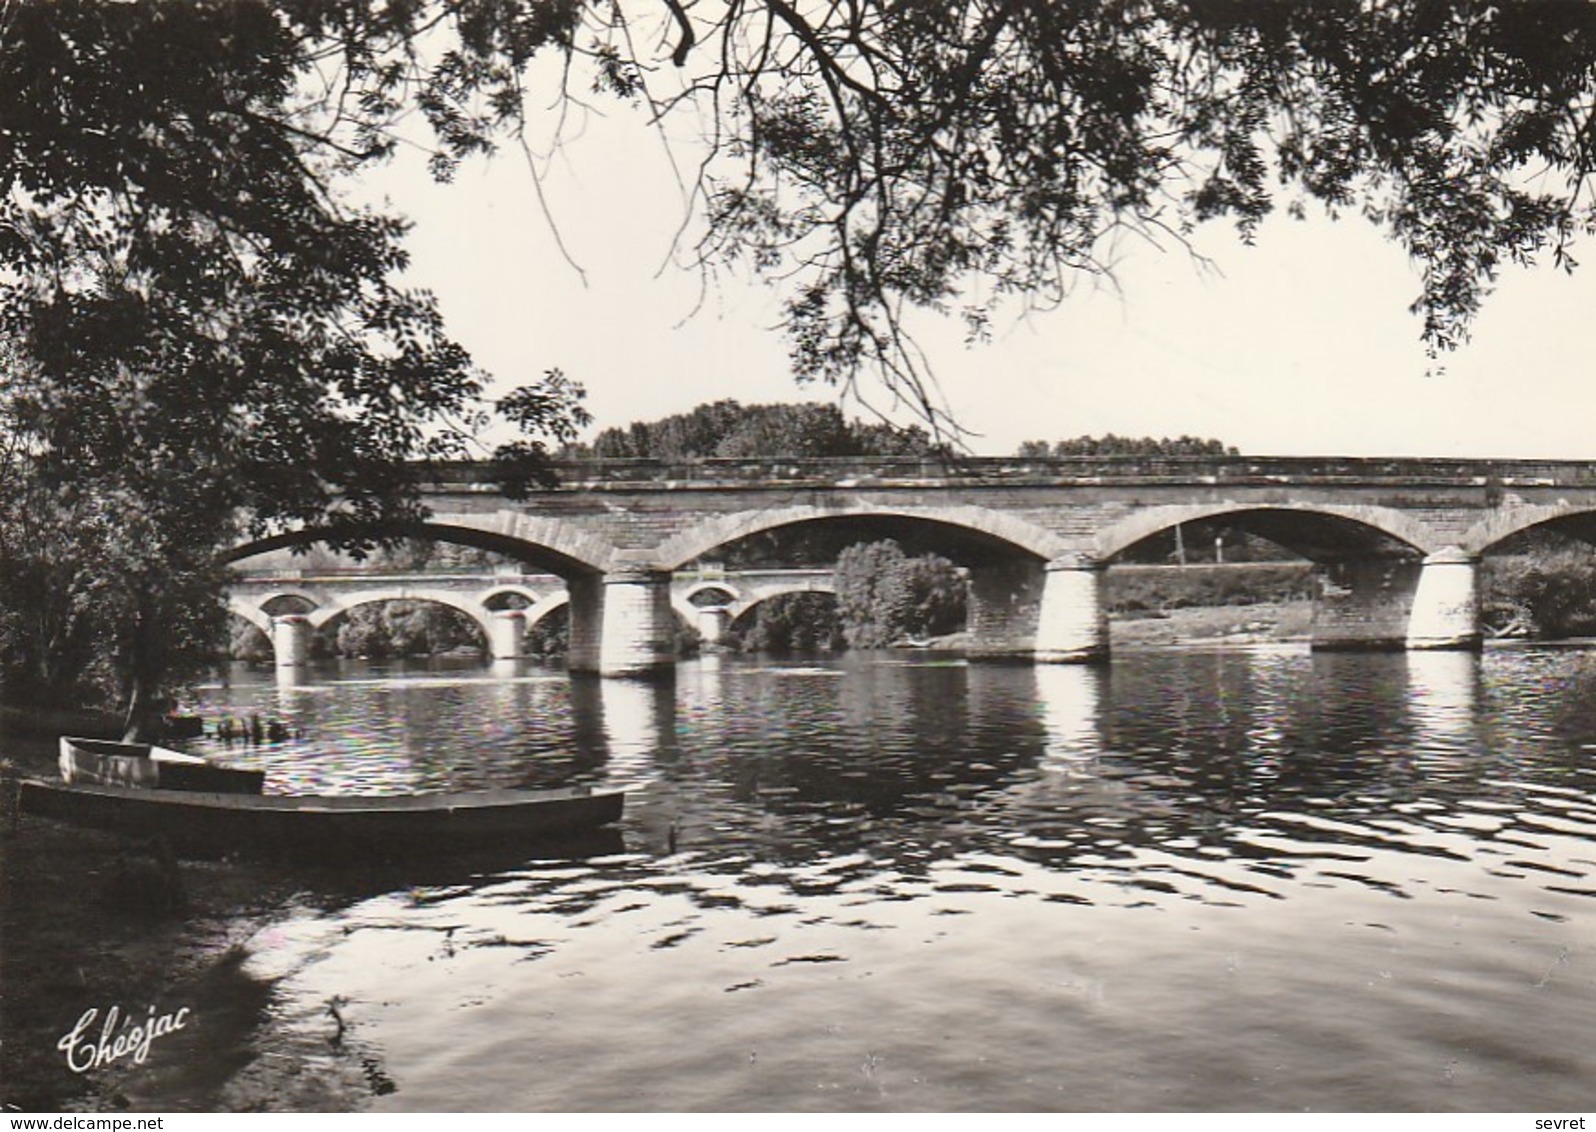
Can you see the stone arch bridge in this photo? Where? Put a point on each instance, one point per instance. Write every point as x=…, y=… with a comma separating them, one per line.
x=288, y=606
x=1396, y=542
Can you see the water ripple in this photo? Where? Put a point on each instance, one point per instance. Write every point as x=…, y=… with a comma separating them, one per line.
x=1219, y=878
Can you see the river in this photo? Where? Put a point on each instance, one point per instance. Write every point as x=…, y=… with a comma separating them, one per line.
x=1192, y=880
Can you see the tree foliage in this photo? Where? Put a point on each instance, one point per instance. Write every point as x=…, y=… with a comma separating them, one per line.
x=874, y=158
x=389, y=629
x=1548, y=593
x=106, y=598
x=794, y=622
x=948, y=155
x=190, y=289
x=248, y=642
x=1111, y=445
x=550, y=635
x=728, y=428
x=884, y=596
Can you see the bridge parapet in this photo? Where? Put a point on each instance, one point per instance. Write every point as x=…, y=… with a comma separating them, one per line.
x=906, y=471
x=344, y=576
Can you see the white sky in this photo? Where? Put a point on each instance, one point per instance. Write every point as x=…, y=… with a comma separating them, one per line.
x=1300, y=345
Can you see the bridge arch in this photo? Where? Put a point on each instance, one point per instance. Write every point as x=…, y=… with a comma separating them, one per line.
x=546, y=544
x=719, y=594
x=999, y=531
x=743, y=597
x=325, y=606
x=1318, y=531
x=342, y=604
x=493, y=599
x=1505, y=522
x=251, y=612
x=288, y=600
x=549, y=603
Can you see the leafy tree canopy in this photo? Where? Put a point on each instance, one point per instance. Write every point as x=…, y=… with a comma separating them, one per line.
x=794, y=622
x=874, y=157
x=206, y=324
x=1111, y=445
x=199, y=314
x=727, y=428
x=195, y=326
x=885, y=596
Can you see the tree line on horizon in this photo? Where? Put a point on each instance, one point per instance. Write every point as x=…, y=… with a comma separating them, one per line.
x=1111, y=445
x=728, y=428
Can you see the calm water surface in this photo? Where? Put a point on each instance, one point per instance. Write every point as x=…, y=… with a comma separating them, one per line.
x=1244, y=879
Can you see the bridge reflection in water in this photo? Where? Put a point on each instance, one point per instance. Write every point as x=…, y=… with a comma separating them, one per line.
x=524, y=723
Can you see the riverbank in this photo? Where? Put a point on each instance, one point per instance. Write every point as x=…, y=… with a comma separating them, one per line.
x=87, y=923
x=1261, y=623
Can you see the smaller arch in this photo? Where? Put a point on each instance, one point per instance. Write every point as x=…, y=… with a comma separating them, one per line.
x=249, y=611
x=261, y=647
x=500, y=597
x=286, y=602
x=710, y=595
x=753, y=596
x=482, y=634
x=343, y=603
x=546, y=605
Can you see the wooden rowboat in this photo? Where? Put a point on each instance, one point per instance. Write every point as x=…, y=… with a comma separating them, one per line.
x=386, y=827
x=101, y=762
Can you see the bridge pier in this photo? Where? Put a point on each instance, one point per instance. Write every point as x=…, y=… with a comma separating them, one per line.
x=1072, y=621
x=622, y=623
x=1446, y=602
x=1003, y=601
x=1364, y=603
x=585, y=600
x=507, y=634
x=713, y=621
x=291, y=634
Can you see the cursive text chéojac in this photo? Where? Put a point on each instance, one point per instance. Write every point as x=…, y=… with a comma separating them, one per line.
x=116, y=1038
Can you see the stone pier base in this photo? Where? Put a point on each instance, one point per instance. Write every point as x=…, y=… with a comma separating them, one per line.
x=507, y=634
x=638, y=627
x=291, y=634
x=1072, y=622
x=1364, y=603
x=1446, y=602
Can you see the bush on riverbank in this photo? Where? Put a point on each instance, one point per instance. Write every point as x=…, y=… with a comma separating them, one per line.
x=798, y=622
x=1136, y=589
x=388, y=629
x=550, y=635
x=1547, y=594
x=885, y=595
